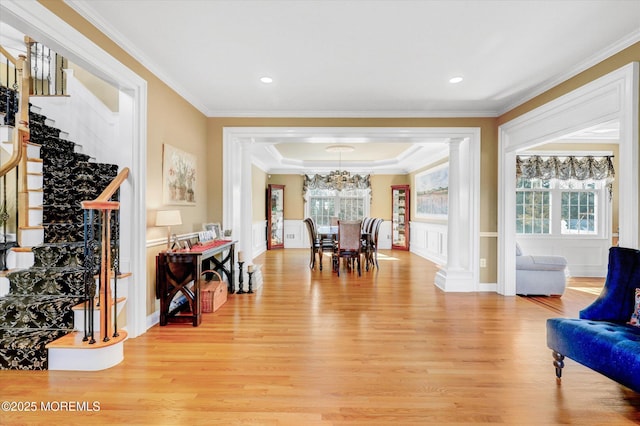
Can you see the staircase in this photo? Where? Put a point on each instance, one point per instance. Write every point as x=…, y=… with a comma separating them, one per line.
x=39, y=329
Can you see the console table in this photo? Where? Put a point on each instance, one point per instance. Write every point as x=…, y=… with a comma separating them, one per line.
x=180, y=272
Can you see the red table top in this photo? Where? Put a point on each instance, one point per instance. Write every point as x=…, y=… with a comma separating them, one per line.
x=202, y=247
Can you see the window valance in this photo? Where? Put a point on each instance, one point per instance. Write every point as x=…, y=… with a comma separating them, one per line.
x=565, y=168
x=326, y=182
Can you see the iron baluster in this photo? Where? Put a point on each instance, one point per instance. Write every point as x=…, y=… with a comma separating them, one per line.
x=89, y=281
x=116, y=268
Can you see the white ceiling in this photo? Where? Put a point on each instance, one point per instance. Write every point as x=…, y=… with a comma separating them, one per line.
x=363, y=58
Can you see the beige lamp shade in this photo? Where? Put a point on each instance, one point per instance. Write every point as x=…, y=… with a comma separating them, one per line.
x=168, y=218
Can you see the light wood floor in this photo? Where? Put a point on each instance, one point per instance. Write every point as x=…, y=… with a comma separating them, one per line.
x=310, y=348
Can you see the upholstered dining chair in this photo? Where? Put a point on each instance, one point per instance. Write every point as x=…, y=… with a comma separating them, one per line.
x=317, y=243
x=314, y=243
x=349, y=244
x=371, y=251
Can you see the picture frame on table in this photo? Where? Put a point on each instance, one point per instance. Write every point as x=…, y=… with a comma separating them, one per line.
x=215, y=228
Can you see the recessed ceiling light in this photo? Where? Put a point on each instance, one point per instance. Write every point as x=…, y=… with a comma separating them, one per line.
x=266, y=80
x=455, y=80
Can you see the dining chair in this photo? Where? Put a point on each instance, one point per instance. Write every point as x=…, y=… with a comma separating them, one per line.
x=367, y=238
x=314, y=243
x=349, y=244
x=375, y=230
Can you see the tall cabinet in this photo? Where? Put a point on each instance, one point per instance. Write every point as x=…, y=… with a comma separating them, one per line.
x=275, y=216
x=400, y=217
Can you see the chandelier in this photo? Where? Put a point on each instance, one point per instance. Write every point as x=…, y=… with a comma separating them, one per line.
x=339, y=179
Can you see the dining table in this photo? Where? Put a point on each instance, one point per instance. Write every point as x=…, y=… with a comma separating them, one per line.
x=331, y=232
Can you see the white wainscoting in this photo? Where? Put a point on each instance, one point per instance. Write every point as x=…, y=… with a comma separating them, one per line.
x=295, y=234
x=259, y=237
x=384, y=236
x=586, y=257
x=429, y=240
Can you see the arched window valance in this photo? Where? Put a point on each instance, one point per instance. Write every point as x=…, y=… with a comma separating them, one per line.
x=567, y=168
x=328, y=182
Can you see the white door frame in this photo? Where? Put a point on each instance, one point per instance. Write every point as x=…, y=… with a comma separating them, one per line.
x=611, y=97
x=40, y=23
x=237, y=209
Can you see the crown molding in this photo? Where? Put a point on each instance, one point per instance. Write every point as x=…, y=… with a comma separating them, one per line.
x=600, y=56
x=89, y=14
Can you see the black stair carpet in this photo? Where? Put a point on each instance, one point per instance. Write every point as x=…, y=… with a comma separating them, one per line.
x=9, y=104
x=38, y=308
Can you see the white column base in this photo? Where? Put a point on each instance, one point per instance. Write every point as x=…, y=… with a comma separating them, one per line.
x=455, y=280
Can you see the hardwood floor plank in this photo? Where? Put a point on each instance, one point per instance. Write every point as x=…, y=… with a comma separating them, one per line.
x=311, y=348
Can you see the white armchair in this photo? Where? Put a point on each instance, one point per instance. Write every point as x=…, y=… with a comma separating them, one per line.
x=540, y=275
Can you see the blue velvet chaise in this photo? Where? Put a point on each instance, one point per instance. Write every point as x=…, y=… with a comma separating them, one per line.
x=602, y=339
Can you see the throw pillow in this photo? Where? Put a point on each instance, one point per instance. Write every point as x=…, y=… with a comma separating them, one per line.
x=635, y=317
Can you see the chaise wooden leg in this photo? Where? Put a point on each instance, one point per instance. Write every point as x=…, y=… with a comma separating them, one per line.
x=558, y=363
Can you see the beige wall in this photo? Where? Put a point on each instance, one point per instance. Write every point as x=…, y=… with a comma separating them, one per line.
x=172, y=120
x=108, y=94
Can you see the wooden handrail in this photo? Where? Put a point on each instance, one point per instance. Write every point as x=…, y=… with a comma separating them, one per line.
x=22, y=131
x=8, y=55
x=102, y=200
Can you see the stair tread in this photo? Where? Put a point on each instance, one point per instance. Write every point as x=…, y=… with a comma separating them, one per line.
x=80, y=306
x=73, y=340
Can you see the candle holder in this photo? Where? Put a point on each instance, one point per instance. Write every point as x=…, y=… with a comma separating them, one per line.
x=250, y=281
x=240, y=279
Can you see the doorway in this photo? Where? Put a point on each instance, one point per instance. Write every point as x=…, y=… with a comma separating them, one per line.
x=611, y=97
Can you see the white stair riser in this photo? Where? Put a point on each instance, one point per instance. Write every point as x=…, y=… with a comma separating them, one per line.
x=86, y=359
x=34, y=182
x=49, y=122
x=79, y=314
x=6, y=134
x=36, y=198
x=34, y=167
x=35, y=217
x=19, y=259
x=33, y=151
x=31, y=237
x=4, y=286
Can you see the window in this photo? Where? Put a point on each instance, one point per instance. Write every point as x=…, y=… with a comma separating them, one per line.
x=557, y=207
x=533, y=214
x=579, y=208
x=348, y=204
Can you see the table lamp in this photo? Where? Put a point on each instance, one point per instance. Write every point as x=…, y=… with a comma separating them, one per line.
x=168, y=218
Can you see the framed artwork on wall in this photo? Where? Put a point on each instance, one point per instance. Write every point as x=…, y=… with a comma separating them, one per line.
x=178, y=176
x=432, y=192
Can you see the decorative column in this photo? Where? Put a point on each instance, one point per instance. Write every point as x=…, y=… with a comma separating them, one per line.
x=453, y=232
x=454, y=277
x=246, y=205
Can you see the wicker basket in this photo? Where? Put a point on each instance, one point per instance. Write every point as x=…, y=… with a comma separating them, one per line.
x=213, y=293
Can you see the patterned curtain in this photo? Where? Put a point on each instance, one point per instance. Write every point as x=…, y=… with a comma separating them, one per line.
x=567, y=168
x=325, y=182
